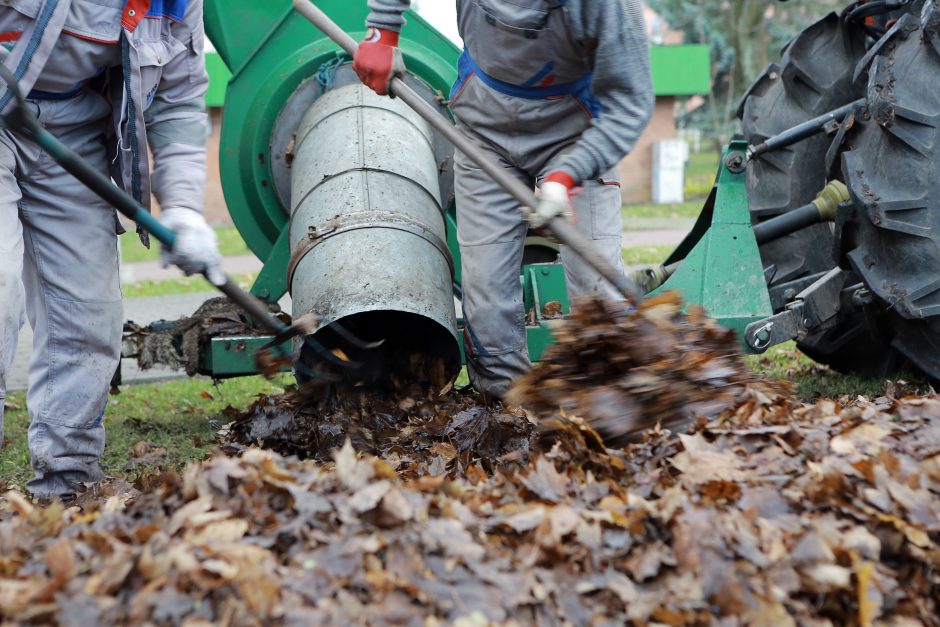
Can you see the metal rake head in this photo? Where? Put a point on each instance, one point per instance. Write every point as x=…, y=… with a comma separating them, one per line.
x=334, y=357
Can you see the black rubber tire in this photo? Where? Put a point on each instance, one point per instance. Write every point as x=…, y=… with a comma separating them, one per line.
x=892, y=237
x=815, y=75
x=859, y=344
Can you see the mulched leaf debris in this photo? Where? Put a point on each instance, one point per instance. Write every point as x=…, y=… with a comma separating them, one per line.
x=767, y=511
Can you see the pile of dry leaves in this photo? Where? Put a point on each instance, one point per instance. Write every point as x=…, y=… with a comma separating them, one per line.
x=627, y=370
x=767, y=512
x=770, y=514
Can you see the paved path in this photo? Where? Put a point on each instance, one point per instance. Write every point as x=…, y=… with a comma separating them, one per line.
x=142, y=311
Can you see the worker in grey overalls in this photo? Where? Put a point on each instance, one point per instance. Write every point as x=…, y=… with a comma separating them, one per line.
x=110, y=84
x=558, y=92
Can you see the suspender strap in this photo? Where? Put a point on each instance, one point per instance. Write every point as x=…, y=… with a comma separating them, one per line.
x=467, y=66
x=31, y=52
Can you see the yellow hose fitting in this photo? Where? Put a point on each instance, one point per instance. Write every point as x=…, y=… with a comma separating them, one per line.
x=829, y=199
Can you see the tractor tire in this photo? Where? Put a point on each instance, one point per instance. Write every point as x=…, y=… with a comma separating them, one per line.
x=815, y=75
x=892, y=237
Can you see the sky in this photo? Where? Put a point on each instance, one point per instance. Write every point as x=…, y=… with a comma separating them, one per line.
x=442, y=14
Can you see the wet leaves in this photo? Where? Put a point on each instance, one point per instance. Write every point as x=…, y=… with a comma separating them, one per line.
x=418, y=431
x=179, y=344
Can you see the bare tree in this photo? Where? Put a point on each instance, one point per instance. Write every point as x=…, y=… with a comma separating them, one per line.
x=744, y=36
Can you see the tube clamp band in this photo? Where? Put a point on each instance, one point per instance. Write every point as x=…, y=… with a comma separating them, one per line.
x=316, y=235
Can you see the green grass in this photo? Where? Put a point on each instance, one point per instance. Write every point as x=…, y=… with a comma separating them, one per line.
x=645, y=255
x=813, y=381
x=157, y=426
x=231, y=244
x=637, y=213
x=182, y=285
x=463, y=379
x=700, y=174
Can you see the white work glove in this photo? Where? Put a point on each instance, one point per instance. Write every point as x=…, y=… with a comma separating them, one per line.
x=554, y=197
x=196, y=248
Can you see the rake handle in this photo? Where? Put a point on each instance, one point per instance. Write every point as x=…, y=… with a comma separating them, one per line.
x=121, y=201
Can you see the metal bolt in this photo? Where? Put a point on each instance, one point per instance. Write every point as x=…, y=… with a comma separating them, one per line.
x=735, y=162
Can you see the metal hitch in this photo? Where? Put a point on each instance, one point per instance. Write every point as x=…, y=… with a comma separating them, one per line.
x=811, y=311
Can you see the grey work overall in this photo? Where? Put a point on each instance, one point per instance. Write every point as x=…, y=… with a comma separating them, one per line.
x=108, y=83
x=59, y=245
x=524, y=94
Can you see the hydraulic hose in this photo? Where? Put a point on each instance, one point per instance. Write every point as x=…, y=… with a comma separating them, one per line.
x=804, y=130
x=876, y=7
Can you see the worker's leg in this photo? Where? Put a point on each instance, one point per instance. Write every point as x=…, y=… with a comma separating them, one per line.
x=73, y=301
x=491, y=233
x=11, y=267
x=597, y=216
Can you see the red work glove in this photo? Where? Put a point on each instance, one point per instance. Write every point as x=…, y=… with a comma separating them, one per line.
x=554, y=198
x=378, y=60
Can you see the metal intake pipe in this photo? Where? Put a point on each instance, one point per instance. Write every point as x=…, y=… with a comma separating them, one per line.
x=368, y=241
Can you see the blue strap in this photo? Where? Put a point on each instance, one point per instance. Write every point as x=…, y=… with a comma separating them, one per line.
x=475, y=345
x=540, y=75
x=173, y=9
x=136, y=188
x=467, y=66
x=42, y=21
x=592, y=104
x=96, y=81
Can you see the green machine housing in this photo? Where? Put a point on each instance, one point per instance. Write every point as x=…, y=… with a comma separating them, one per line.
x=272, y=53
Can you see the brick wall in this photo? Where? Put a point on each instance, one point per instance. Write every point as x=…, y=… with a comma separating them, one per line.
x=636, y=170
x=215, y=209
